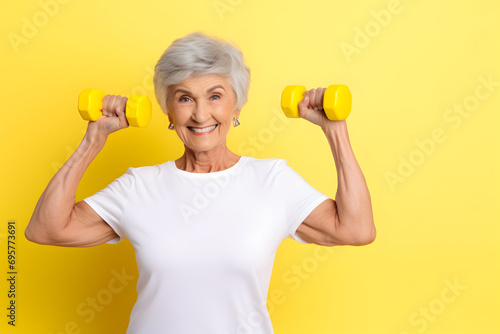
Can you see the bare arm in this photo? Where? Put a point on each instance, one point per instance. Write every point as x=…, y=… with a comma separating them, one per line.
x=57, y=219
x=347, y=220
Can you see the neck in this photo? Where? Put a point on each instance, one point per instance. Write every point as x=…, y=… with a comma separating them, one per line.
x=215, y=160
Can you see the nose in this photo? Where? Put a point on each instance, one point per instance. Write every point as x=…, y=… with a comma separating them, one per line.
x=201, y=112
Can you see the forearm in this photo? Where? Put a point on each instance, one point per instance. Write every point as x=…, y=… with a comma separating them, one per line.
x=352, y=199
x=53, y=210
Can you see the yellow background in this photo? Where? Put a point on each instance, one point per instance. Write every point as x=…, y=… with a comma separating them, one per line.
x=438, y=225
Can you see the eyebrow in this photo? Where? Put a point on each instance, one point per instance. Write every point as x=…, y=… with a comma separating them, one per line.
x=211, y=89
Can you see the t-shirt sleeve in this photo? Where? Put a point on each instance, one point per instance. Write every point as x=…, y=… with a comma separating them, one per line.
x=110, y=202
x=300, y=198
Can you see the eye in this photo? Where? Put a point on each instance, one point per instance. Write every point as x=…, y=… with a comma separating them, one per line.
x=184, y=99
x=215, y=97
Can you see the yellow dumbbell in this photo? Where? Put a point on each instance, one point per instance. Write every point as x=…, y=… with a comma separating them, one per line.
x=337, y=101
x=137, y=110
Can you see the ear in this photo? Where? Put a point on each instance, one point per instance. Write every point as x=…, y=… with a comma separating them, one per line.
x=170, y=118
x=236, y=113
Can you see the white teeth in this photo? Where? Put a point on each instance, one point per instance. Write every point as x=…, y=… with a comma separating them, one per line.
x=210, y=128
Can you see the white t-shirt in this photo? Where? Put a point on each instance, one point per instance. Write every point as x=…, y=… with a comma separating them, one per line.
x=205, y=242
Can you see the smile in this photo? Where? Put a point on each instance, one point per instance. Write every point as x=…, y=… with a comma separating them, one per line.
x=206, y=130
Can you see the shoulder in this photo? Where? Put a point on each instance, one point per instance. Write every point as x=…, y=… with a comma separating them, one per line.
x=268, y=162
x=266, y=165
x=144, y=172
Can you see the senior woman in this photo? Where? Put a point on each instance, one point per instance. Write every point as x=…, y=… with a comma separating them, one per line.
x=205, y=227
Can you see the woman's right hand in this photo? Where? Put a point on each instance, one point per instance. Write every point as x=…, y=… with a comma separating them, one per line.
x=113, y=119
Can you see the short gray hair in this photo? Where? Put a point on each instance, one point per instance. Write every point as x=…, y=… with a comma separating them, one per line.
x=198, y=54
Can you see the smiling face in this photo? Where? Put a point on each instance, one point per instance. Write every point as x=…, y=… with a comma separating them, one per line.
x=202, y=109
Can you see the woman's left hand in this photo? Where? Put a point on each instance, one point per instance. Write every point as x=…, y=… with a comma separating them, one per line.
x=311, y=107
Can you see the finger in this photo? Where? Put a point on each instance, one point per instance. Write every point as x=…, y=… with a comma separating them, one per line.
x=121, y=104
x=122, y=119
x=317, y=102
x=305, y=102
x=312, y=101
x=320, y=92
x=105, y=105
x=308, y=113
x=121, y=113
x=108, y=105
x=304, y=107
x=114, y=104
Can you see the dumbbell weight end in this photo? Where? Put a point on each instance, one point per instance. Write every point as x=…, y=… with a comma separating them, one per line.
x=290, y=98
x=337, y=102
x=139, y=110
x=90, y=104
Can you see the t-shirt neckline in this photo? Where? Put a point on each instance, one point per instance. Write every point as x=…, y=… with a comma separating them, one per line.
x=231, y=169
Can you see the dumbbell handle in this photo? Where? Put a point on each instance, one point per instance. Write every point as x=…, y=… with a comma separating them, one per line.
x=138, y=109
